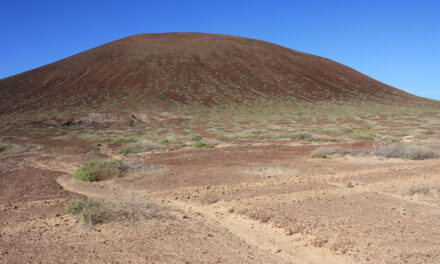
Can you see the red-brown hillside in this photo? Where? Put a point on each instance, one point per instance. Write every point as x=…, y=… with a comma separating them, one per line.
x=147, y=70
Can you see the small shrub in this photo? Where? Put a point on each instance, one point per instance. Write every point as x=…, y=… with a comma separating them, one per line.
x=104, y=140
x=226, y=137
x=399, y=134
x=256, y=132
x=96, y=144
x=321, y=139
x=331, y=131
x=271, y=136
x=138, y=148
x=428, y=132
x=406, y=151
x=424, y=190
x=126, y=150
x=124, y=140
x=87, y=209
x=324, y=152
x=196, y=138
x=99, y=170
x=129, y=208
x=211, y=130
x=420, y=137
x=200, y=144
x=350, y=185
x=362, y=136
x=300, y=135
x=4, y=148
x=139, y=132
x=88, y=137
x=165, y=141
x=390, y=139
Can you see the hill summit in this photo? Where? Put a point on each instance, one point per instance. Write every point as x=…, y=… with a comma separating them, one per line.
x=150, y=70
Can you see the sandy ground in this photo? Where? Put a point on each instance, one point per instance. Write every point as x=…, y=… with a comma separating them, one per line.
x=235, y=204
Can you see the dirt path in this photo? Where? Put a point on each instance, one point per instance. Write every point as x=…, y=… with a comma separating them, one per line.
x=270, y=239
x=264, y=236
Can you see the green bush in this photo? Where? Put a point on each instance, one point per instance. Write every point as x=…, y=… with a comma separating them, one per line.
x=103, y=140
x=87, y=209
x=99, y=170
x=200, y=144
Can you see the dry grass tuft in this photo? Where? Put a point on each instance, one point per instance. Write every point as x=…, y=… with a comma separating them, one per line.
x=424, y=190
x=122, y=208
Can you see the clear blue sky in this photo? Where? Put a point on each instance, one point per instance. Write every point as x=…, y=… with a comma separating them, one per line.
x=396, y=42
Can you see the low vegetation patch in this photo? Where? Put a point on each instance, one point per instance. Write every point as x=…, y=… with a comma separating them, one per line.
x=200, y=144
x=165, y=141
x=420, y=137
x=138, y=148
x=324, y=152
x=423, y=190
x=300, y=136
x=129, y=208
x=409, y=151
x=399, y=134
x=196, y=138
x=124, y=208
x=86, y=209
x=271, y=136
x=428, y=132
x=99, y=170
x=362, y=136
x=4, y=148
x=396, y=150
x=124, y=140
x=321, y=139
